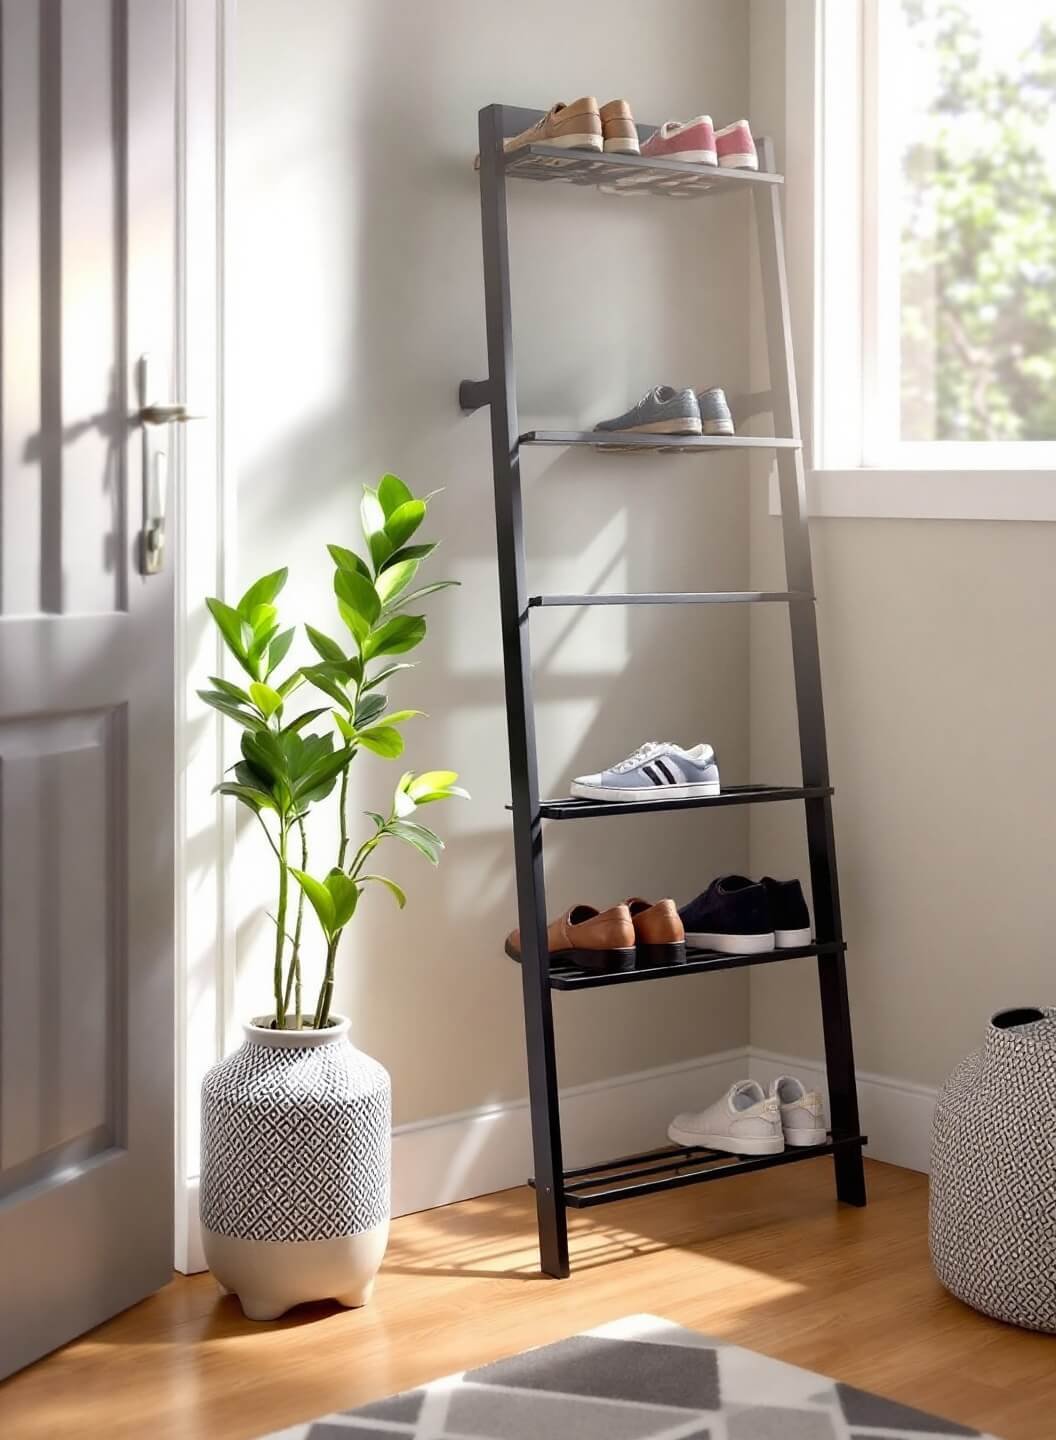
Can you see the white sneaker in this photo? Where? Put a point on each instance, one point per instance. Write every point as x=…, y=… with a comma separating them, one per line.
x=744, y=1122
x=802, y=1111
x=656, y=771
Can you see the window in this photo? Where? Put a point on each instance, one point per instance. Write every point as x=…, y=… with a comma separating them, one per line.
x=936, y=279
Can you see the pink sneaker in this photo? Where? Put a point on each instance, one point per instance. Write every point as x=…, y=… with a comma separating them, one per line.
x=736, y=147
x=692, y=141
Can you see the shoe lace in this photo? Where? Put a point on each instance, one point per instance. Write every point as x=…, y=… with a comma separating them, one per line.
x=643, y=753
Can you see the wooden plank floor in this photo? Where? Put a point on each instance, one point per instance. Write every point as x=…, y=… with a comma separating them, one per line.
x=768, y=1261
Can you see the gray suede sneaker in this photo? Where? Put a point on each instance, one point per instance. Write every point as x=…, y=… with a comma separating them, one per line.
x=663, y=411
x=715, y=417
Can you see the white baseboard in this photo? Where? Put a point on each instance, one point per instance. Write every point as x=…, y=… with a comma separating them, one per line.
x=436, y=1162
x=896, y=1114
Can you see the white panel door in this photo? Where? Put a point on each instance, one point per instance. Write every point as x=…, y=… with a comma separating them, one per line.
x=87, y=266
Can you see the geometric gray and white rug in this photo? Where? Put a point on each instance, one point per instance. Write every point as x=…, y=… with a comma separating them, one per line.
x=641, y=1378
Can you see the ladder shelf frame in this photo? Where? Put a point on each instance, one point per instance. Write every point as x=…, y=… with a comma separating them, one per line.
x=555, y=1190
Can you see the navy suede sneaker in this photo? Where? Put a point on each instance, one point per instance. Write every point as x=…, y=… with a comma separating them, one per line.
x=789, y=912
x=732, y=916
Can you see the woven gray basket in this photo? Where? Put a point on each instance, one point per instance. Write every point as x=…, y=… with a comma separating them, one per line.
x=993, y=1173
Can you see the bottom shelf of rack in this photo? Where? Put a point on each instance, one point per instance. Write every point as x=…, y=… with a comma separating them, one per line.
x=676, y=1167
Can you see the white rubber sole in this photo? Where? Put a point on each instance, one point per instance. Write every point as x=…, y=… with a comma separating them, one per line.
x=718, y=427
x=803, y=1138
x=789, y=939
x=589, y=141
x=741, y=160
x=731, y=944
x=749, y=1145
x=689, y=157
x=686, y=425
x=655, y=792
x=622, y=146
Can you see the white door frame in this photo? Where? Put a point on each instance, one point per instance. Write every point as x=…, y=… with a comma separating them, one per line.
x=204, y=553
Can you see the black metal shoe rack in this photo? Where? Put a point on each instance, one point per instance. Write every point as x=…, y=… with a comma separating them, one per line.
x=556, y=1188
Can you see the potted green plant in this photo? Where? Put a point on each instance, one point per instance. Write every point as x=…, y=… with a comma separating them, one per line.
x=296, y=1123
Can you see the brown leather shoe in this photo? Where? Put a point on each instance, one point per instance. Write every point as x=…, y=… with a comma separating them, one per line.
x=572, y=127
x=659, y=933
x=588, y=939
x=619, y=132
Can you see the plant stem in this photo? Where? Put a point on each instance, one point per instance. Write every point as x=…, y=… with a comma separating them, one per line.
x=326, y=991
x=297, y=927
x=343, y=815
x=280, y=931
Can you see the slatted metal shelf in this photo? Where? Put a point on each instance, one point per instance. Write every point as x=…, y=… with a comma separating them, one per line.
x=674, y=597
x=632, y=174
x=698, y=962
x=681, y=444
x=574, y=808
x=677, y=1167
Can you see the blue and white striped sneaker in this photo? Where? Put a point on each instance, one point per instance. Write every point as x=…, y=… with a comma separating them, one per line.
x=658, y=770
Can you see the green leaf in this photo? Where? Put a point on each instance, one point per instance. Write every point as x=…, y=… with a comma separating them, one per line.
x=264, y=754
x=411, y=552
x=344, y=893
x=368, y=709
x=324, y=647
x=425, y=590
x=422, y=839
x=278, y=649
x=395, y=578
x=324, y=680
x=229, y=708
x=265, y=699
x=262, y=592
x=322, y=774
x=229, y=622
x=302, y=720
x=262, y=620
x=235, y=691
x=392, y=492
x=431, y=780
x=290, y=684
x=347, y=730
x=397, y=717
x=383, y=675
x=349, y=560
x=403, y=804
x=355, y=622
x=321, y=899
x=396, y=636
x=449, y=792
x=384, y=740
x=404, y=521
x=359, y=593
x=401, y=898
x=372, y=518
x=248, y=795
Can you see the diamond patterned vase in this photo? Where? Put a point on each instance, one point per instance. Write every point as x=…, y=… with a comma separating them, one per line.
x=296, y=1145
x=993, y=1173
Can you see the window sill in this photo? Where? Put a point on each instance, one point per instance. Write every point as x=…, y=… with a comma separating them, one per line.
x=928, y=494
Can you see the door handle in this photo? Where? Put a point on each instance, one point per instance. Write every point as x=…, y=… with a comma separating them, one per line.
x=155, y=471
x=156, y=414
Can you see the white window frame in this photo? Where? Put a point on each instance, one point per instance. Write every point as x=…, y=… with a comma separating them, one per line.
x=836, y=175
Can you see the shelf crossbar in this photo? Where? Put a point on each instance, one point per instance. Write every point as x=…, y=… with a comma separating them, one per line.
x=674, y=597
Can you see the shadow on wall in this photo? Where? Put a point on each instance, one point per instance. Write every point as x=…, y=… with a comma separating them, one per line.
x=358, y=308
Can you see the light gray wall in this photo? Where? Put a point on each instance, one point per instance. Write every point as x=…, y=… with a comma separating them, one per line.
x=936, y=644
x=356, y=307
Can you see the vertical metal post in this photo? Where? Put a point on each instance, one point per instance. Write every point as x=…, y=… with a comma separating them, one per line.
x=520, y=721
x=821, y=841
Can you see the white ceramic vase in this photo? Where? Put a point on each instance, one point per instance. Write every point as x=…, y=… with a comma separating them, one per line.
x=296, y=1159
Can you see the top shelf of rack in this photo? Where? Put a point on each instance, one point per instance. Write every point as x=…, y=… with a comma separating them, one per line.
x=631, y=174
